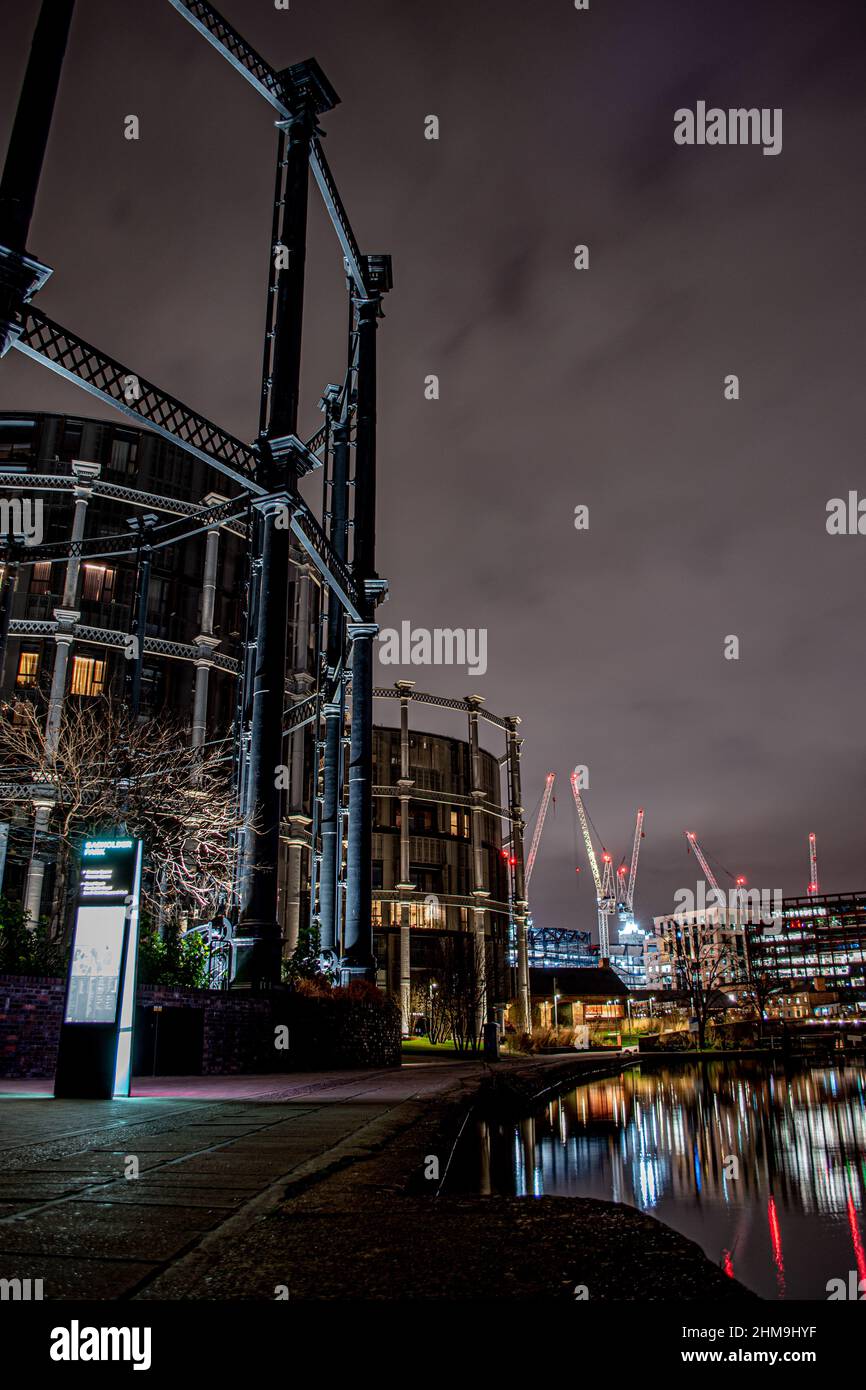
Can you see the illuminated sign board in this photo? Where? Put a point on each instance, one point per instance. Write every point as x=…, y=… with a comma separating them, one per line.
x=97, y=958
x=96, y=1037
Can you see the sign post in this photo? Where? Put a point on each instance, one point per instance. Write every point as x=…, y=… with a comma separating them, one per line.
x=95, y=1054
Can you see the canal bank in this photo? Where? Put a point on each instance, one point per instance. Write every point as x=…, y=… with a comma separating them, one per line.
x=373, y=1219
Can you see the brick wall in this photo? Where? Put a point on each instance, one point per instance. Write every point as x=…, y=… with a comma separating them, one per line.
x=238, y=1032
x=31, y=1010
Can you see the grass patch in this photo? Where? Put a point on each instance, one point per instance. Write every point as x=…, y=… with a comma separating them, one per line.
x=422, y=1047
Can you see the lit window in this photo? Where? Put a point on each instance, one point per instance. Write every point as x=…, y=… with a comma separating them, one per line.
x=28, y=665
x=98, y=583
x=88, y=675
x=40, y=582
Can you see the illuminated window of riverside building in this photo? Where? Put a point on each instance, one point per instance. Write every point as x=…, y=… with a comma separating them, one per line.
x=28, y=668
x=88, y=675
x=98, y=583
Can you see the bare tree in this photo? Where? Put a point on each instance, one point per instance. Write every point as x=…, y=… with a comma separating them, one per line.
x=763, y=983
x=461, y=988
x=109, y=772
x=703, y=971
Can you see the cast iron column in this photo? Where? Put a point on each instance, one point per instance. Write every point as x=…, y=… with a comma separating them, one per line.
x=405, y=885
x=358, y=957
x=520, y=903
x=308, y=92
x=329, y=897
x=479, y=892
x=206, y=641
x=20, y=274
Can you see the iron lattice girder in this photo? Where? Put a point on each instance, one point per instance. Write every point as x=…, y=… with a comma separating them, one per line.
x=441, y=701
x=337, y=573
x=417, y=895
x=395, y=792
x=68, y=482
x=242, y=56
x=102, y=376
x=275, y=88
x=127, y=542
x=113, y=637
x=113, y=383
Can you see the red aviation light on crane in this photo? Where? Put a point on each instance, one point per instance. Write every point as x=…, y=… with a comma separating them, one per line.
x=605, y=857
x=741, y=882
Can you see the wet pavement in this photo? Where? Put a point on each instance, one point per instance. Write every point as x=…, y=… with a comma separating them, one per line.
x=99, y=1199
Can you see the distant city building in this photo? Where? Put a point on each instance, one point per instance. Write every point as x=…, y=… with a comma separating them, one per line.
x=815, y=948
x=821, y=937
x=629, y=959
x=557, y=947
x=711, y=940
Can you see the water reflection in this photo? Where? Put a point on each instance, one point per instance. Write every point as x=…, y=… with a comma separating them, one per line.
x=765, y=1170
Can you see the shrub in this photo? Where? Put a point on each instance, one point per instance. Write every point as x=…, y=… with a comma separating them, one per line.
x=172, y=959
x=26, y=950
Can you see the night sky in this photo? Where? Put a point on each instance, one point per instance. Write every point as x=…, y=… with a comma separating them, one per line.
x=558, y=387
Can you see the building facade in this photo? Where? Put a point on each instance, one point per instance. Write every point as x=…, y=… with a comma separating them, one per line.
x=819, y=937
x=70, y=620
x=447, y=843
x=710, y=942
x=458, y=879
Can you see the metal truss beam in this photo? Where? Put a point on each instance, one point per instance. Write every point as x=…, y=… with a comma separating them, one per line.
x=71, y=357
x=127, y=542
x=233, y=47
x=112, y=637
x=337, y=213
x=270, y=84
x=393, y=895
x=323, y=555
x=67, y=482
x=389, y=693
x=442, y=799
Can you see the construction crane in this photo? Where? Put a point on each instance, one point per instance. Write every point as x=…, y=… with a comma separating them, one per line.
x=539, y=825
x=625, y=905
x=739, y=881
x=699, y=855
x=813, y=864
x=603, y=880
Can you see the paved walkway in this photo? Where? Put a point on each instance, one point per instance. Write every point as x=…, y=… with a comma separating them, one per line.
x=100, y=1198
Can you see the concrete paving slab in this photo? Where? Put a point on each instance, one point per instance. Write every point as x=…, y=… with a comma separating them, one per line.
x=172, y=1194
x=106, y=1229
x=78, y=1279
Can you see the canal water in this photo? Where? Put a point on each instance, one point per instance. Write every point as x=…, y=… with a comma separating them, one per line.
x=765, y=1169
